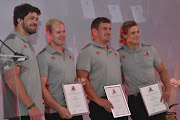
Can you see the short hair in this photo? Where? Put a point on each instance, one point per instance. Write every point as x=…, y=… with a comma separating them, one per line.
x=95, y=24
x=124, y=29
x=23, y=10
x=50, y=23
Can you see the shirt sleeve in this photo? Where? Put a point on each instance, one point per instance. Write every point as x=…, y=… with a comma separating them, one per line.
x=12, y=45
x=84, y=61
x=43, y=65
x=157, y=59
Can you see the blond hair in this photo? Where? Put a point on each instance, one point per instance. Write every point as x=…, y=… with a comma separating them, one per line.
x=50, y=23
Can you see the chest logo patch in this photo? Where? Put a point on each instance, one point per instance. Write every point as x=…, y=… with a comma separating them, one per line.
x=53, y=58
x=124, y=56
x=115, y=54
x=97, y=52
x=70, y=57
x=25, y=46
x=146, y=54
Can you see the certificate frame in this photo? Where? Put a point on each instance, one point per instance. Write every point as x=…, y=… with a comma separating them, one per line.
x=75, y=99
x=151, y=95
x=116, y=96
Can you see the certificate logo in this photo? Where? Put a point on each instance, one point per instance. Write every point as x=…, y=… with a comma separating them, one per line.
x=113, y=91
x=73, y=88
x=150, y=89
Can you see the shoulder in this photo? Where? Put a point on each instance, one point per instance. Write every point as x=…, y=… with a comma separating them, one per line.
x=88, y=46
x=43, y=55
x=69, y=53
x=120, y=49
x=146, y=47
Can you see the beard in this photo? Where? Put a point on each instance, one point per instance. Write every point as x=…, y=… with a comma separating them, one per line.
x=28, y=29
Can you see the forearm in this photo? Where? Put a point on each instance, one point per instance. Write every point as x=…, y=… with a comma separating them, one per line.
x=49, y=99
x=165, y=79
x=90, y=92
x=17, y=87
x=87, y=87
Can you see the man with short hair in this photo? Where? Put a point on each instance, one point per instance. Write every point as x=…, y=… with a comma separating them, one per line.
x=137, y=64
x=100, y=66
x=30, y=103
x=56, y=66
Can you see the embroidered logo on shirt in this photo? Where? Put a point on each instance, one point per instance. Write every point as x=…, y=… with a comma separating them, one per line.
x=97, y=52
x=146, y=54
x=73, y=88
x=115, y=54
x=70, y=57
x=25, y=46
x=123, y=57
x=53, y=58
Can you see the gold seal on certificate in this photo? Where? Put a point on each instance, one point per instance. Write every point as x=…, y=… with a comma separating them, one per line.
x=75, y=99
x=116, y=96
x=151, y=96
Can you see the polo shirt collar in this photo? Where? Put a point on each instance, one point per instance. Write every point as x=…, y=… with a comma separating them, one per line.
x=20, y=36
x=102, y=47
x=52, y=51
x=129, y=50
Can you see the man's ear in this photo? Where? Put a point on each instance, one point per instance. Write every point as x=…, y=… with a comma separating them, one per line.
x=124, y=36
x=49, y=36
x=19, y=21
x=94, y=32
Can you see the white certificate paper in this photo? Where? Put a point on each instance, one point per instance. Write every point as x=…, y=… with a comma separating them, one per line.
x=151, y=96
x=116, y=14
x=88, y=9
x=75, y=99
x=138, y=13
x=116, y=96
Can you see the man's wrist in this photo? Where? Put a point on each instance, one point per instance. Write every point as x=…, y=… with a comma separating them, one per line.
x=32, y=106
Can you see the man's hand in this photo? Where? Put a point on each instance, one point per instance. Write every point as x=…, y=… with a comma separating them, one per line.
x=35, y=114
x=165, y=95
x=64, y=113
x=106, y=104
x=81, y=80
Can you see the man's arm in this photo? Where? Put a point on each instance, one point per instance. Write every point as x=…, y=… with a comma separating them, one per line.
x=62, y=111
x=165, y=80
x=91, y=93
x=18, y=88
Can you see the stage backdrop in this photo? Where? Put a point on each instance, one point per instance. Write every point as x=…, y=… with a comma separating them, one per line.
x=158, y=21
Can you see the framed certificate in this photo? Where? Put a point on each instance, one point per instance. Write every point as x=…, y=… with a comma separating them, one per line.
x=75, y=99
x=151, y=96
x=116, y=96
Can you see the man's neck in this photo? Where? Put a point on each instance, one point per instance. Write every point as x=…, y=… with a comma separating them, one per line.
x=57, y=48
x=100, y=43
x=132, y=47
x=22, y=32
